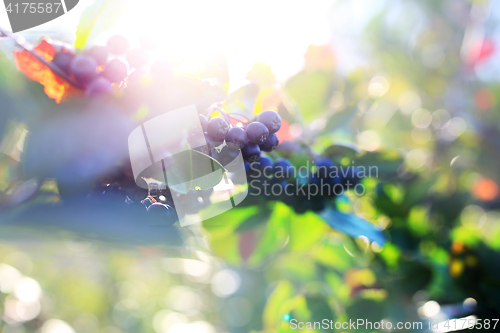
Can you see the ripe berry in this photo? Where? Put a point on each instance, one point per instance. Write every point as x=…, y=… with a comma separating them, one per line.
x=237, y=136
x=164, y=212
x=325, y=167
x=118, y=44
x=83, y=68
x=271, y=143
x=257, y=132
x=147, y=202
x=204, y=122
x=251, y=152
x=282, y=169
x=99, y=53
x=63, y=60
x=137, y=58
x=116, y=71
x=217, y=128
x=264, y=165
x=100, y=86
x=271, y=119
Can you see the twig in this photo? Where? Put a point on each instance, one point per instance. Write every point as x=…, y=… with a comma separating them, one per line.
x=221, y=110
x=230, y=115
x=241, y=115
x=28, y=47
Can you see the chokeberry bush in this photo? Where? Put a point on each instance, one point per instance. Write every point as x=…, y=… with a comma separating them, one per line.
x=372, y=192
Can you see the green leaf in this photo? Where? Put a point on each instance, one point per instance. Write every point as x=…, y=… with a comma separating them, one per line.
x=189, y=171
x=242, y=100
x=253, y=221
x=272, y=238
x=352, y=225
x=306, y=231
x=226, y=223
x=335, y=256
x=384, y=163
x=224, y=240
x=310, y=90
x=340, y=119
x=418, y=221
x=342, y=149
x=276, y=305
x=98, y=18
x=320, y=309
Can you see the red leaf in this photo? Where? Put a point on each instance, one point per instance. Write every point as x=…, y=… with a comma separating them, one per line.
x=284, y=132
x=247, y=244
x=56, y=87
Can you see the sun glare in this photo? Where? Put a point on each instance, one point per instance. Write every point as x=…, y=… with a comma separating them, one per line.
x=277, y=33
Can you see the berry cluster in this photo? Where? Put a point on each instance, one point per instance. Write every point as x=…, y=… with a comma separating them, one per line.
x=100, y=70
x=253, y=138
x=250, y=140
x=97, y=69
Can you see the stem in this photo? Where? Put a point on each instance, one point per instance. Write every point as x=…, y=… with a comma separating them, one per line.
x=241, y=115
x=218, y=108
x=230, y=115
x=28, y=47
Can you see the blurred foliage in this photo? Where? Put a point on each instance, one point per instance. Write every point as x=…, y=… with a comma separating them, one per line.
x=425, y=232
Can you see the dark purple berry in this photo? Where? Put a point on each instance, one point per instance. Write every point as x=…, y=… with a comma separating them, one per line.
x=271, y=143
x=217, y=128
x=147, y=202
x=99, y=53
x=163, y=213
x=324, y=166
x=251, y=152
x=100, y=86
x=257, y=132
x=282, y=169
x=83, y=68
x=137, y=58
x=264, y=165
x=63, y=60
x=237, y=136
x=118, y=44
x=115, y=71
x=271, y=119
x=204, y=122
